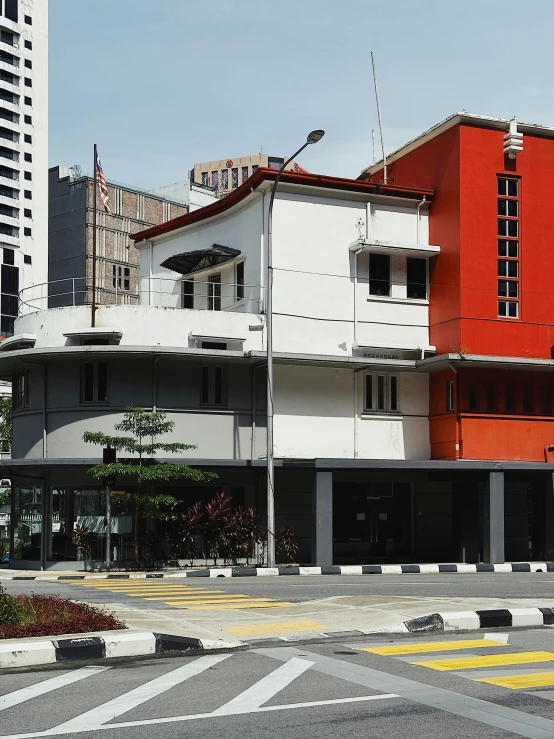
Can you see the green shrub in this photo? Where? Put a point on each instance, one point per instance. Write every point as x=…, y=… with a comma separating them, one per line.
x=11, y=613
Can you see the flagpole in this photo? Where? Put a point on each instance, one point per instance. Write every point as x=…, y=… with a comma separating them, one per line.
x=93, y=303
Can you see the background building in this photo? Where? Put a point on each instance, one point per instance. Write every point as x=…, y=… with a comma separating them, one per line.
x=224, y=175
x=70, y=232
x=23, y=151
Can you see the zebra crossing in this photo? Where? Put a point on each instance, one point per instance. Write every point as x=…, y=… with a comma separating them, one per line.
x=486, y=660
x=177, y=595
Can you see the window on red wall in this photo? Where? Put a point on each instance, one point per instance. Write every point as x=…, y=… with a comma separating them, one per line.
x=508, y=247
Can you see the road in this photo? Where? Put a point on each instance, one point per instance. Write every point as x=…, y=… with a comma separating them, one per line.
x=295, y=589
x=497, y=687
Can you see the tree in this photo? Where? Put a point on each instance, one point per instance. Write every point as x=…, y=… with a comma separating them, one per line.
x=5, y=423
x=143, y=469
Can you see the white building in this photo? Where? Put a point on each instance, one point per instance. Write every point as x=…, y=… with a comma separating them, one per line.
x=23, y=151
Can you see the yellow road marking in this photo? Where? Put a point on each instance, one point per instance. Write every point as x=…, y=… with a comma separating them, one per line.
x=213, y=601
x=148, y=592
x=205, y=596
x=246, y=604
x=277, y=627
x=531, y=680
x=491, y=660
x=426, y=647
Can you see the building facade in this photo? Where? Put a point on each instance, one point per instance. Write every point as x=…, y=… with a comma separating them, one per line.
x=23, y=151
x=70, y=236
x=224, y=175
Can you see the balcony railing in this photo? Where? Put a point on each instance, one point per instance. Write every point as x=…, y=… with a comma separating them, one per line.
x=155, y=291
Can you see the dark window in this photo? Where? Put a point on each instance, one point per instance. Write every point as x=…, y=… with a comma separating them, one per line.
x=393, y=393
x=380, y=392
x=507, y=187
x=215, y=178
x=507, y=248
x=509, y=398
x=472, y=396
x=417, y=278
x=28, y=119
x=8, y=256
x=450, y=395
x=214, y=292
x=28, y=44
x=244, y=173
x=240, y=281
x=527, y=398
x=28, y=63
x=126, y=278
x=491, y=397
x=224, y=179
x=9, y=97
x=507, y=208
x=368, y=404
x=187, y=293
x=10, y=10
x=213, y=385
x=8, y=305
x=7, y=210
x=94, y=382
x=7, y=115
x=507, y=309
x=507, y=288
x=255, y=168
x=9, y=230
x=27, y=231
x=546, y=406
x=205, y=180
x=28, y=82
x=28, y=194
x=7, y=38
x=28, y=176
x=27, y=259
x=8, y=192
x=28, y=20
x=507, y=228
x=234, y=177
x=507, y=268
x=28, y=138
x=379, y=274
x=22, y=389
x=6, y=325
x=27, y=100
x=28, y=157
x=9, y=280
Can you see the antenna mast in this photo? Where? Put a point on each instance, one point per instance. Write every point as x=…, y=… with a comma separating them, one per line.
x=379, y=119
x=373, y=143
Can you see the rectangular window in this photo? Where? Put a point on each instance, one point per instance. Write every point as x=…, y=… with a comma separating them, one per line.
x=126, y=278
x=507, y=288
x=28, y=119
x=28, y=44
x=28, y=194
x=215, y=179
x=213, y=390
x=240, y=281
x=379, y=274
x=224, y=179
x=416, y=278
x=28, y=100
x=491, y=397
x=214, y=292
x=507, y=309
x=507, y=208
x=28, y=138
x=7, y=38
x=205, y=180
x=28, y=20
x=27, y=259
x=528, y=398
x=27, y=231
x=546, y=405
x=28, y=82
x=381, y=393
x=10, y=10
x=21, y=390
x=8, y=256
x=28, y=63
x=472, y=396
x=507, y=248
x=244, y=174
x=234, y=177
x=27, y=213
x=450, y=396
x=187, y=294
x=508, y=187
x=507, y=268
x=28, y=176
x=9, y=279
x=28, y=157
x=255, y=168
x=9, y=305
x=509, y=402
x=94, y=382
x=507, y=228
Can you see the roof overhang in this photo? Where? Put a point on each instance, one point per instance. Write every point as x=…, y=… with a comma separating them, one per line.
x=191, y=262
x=389, y=247
x=98, y=332
x=19, y=341
x=448, y=361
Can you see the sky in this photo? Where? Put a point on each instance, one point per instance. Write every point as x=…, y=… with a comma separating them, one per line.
x=162, y=84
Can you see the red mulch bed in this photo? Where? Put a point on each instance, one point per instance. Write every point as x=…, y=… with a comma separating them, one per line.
x=48, y=615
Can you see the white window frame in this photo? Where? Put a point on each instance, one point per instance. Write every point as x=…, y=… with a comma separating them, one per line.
x=381, y=384
x=450, y=400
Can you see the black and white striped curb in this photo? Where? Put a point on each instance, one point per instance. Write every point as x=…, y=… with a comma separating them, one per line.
x=487, y=619
x=21, y=653
x=425, y=569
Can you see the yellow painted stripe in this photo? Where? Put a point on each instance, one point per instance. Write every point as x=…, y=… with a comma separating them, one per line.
x=139, y=593
x=531, y=680
x=205, y=598
x=277, y=627
x=238, y=605
x=215, y=601
x=491, y=660
x=426, y=647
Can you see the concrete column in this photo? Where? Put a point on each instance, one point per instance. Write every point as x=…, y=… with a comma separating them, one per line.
x=494, y=518
x=549, y=517
x=322, y=514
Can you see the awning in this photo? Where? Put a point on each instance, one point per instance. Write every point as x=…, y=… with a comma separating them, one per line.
x=195, y=261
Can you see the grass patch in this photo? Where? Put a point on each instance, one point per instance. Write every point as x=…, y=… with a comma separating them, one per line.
x=48, y=615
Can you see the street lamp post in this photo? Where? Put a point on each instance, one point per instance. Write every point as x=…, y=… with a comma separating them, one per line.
x=313, y=138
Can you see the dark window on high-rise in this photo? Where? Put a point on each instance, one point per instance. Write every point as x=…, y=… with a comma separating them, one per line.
x=28, y=157
x=28, y=20
x=28, y=82
x=244, y=171
x=28, y=138
x=28, y=119
x=472, y=396
x=546, y=403
x=9, y=279
x=450, y=395
x=379, y=274
x=27, y=231
x=491, y=397
x=7, y=38
x=28, y=100
x=528, y=398
x=10, y=10
x=28, y=44
x=21, y=395
x=416, y=278
x=27, y=259
x=28, y=63
x=213, y=391
x=28, y=176
x=8, y=256
x=234, y=177
x=28, y=194
x=8, y=305
x=509, y=404
x=240, y=281
x=94, y=382
x=187, y=293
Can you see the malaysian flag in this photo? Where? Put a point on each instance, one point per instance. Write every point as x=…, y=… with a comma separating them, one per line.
x=102, y=184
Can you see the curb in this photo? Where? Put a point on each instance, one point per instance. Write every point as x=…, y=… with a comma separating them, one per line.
x=107, y=645
x=425, y=569
x=486, y=619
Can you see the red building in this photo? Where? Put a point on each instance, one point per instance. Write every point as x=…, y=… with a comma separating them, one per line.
x=491, y=299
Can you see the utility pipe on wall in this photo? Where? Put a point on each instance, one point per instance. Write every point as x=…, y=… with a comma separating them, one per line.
x=419, y=218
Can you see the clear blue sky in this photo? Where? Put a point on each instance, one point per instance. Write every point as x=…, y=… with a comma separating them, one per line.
x=161, y=84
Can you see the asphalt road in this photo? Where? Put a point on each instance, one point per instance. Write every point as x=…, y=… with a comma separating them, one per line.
x=310, y=691
x=303, y=588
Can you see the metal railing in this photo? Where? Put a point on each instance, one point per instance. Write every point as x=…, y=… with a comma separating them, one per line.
x=150, y=291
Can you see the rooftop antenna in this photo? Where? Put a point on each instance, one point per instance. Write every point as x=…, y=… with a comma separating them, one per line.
x=373, y=143
x=379, y=119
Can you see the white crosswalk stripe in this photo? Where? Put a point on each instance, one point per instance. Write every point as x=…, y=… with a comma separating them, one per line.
x=54, y=683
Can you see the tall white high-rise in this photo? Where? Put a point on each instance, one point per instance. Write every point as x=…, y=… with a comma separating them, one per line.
x=23, y=151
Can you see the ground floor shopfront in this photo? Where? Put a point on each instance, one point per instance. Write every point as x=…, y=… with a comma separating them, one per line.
x=342, y=512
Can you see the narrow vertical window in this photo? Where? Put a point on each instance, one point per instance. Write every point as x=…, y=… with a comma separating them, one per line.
x=528, y=398
x=509, y=398
x=88, y=382
x=224, y=179
x=393, y=393
x=205, y=395
x=218, y=385
x=546, y=406
x=450, y=396
x=381, y=393
x=416, y=270
x=94, y=382
x=491, y=397
x=240, y=281
x=205, y=178
x=214, y=292
x=187, y=287
x=379, y=274
x=102, y=382
x=213, y=390
x=244, y=174
x=472, y=396
x=234, y=177
x=215, y=179
x=368, y=400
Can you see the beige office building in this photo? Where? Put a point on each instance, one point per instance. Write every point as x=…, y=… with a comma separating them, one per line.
x=225, y=175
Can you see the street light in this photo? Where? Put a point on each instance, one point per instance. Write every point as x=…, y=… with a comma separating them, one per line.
x=313, y=138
